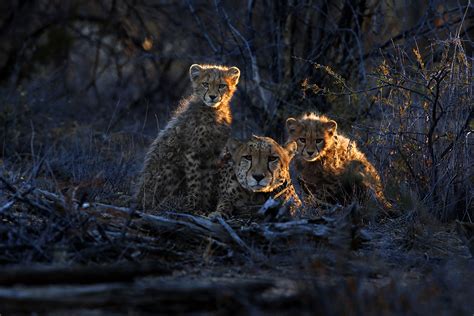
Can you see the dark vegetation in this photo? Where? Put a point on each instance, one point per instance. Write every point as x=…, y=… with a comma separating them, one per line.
x=86, y=85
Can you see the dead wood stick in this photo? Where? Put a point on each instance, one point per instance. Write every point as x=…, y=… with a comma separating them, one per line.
x=21, y=196
x=160, y=295
x=199, y=220
x=7, y=206
x=197, y=225
x=234, y=235
x=126, y=210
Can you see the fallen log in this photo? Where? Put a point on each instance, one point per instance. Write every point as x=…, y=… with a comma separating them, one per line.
x=43, y=275
x=235, y=237
x=91, y=226
x=157, y=296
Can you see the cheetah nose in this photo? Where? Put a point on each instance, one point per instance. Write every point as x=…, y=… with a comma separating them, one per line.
x=258, y=177
x=310, y=153
x=212, y=97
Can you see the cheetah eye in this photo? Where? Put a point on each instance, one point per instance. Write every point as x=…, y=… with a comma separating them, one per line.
x=205, y=84
x=247, y=157
x=272, y=158
x=302, y=140
x=319, y=140
x=222, y=86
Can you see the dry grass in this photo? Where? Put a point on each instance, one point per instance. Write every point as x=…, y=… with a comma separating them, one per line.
x=426, y=107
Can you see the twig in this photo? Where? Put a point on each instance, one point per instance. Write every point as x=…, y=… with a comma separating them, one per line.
x=201, y=26
x=253, y=59
x=6, y=206
x=234, y=235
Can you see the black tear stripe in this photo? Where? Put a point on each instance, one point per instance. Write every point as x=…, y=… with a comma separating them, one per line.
x=268, y=167
x=250, y=169
x=271, y=173
x=268, y=164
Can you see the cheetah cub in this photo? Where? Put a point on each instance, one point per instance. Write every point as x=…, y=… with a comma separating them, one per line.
x=183, y=157
x=329, y=166
x=256, y=170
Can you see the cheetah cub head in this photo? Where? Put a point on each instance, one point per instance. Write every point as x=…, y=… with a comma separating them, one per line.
x=214, y=85
x=314, y=134
x=261, y=164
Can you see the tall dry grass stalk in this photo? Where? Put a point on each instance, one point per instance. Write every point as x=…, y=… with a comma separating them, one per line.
x=427, y=109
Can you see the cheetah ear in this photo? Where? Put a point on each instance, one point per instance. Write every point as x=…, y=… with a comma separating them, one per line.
x=233, y=74
x=291, y=148
x=292, y=125
x=194, y=71
x=233, y=145
x=331, y=127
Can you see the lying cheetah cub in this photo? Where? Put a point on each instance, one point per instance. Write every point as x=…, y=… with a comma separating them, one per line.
x=330, y=166
x=257, y=170
x=183, y=157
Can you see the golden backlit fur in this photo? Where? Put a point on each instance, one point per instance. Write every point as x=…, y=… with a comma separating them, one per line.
x=329, y=165
x=215, y=85
x=257, y=170
x=182, y=159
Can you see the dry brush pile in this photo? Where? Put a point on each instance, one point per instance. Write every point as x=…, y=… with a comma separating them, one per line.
x=100, y=257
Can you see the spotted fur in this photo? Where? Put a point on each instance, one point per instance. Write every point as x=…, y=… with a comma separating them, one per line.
x=256, y=170
x=330, y=166
x=182, y=159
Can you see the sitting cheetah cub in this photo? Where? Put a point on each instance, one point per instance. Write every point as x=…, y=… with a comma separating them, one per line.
x=256, y=170
x=183, y=157
x=330, y=166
